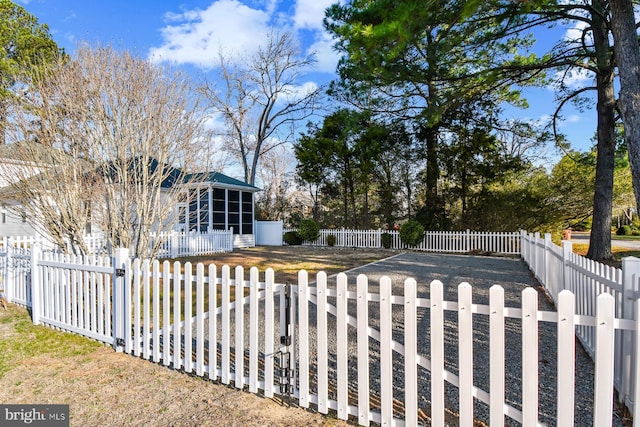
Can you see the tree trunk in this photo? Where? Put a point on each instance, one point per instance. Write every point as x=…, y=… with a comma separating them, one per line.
x=600, y=242
x=3, y=121
x=628, y=61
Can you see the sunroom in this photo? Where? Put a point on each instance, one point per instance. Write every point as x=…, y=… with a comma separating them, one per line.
x=219, y=202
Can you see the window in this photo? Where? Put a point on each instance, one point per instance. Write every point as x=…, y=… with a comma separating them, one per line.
x=247, y=213
x=193, y=210
x=219, y=212
x=203, y=207
x=233, y=210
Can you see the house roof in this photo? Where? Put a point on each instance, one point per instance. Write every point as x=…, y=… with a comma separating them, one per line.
x=173, y=174
x=217, y=179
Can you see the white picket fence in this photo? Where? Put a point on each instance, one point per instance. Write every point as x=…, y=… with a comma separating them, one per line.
x=229, y=328
x=208, y=323
x=172, y=244
x=559, y=268
x=434, y=241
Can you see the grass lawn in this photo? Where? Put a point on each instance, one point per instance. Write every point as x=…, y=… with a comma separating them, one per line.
x=618, y=252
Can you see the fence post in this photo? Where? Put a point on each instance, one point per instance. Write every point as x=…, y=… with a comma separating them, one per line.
x=547, y=245
x=119, y=299
x=173, y=243
x=36, y=298
x=567, y=250
x=7, y=277
x=630, y=277
x=467, y=241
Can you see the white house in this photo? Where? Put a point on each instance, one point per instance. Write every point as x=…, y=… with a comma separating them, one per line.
x=214, y=202
x=13, y=220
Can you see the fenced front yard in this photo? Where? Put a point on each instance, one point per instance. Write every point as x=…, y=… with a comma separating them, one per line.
x=369, y=356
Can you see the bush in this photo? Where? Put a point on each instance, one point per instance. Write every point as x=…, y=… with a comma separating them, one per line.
x=331, y=240
x=308, y=230
x=412, y=233
x=292, y=238
x=625, y=230
x=386, y=240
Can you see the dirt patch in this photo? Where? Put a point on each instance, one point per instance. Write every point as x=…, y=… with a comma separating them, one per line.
x=286, y=261
x=104, y=388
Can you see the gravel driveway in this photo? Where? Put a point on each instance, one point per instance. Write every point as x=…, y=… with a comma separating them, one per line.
x=481, y=272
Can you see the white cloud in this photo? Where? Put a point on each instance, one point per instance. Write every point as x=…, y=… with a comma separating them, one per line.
x=574, y=118
x=576, y=78
x=310, y=13
x=297, y=92
x=198, y=35
x=327, y=58
x=234, y=28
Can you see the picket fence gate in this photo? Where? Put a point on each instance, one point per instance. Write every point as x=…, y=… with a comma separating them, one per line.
x=353, y=348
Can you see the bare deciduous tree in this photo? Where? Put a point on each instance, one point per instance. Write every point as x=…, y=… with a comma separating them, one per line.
x=260, y=99
x=109, y=134
x=277, y=182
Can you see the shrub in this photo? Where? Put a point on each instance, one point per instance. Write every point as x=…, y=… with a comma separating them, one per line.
x=308, y=230
x=625, y=230
x=292, y=238
x=386, y=240
x=411, y=233
x=331, y=240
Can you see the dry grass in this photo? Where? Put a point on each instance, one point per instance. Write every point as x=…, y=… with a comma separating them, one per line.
x=287, y=261
x=618, y=253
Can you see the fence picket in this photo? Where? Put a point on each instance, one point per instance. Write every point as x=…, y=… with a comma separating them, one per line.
x=226, y=324
x=200, y=319
x=253, y=331
x=529, y=357
x=604, y=369
x=436, y=309
x=386, y=353
x=188, y=325
x=269, y=331
x=166, y=313
x=323, y=362
x=410, y=352
x=342, y=343
x=147, y=312
x=239, y=327
x=363, y=348
x=465, y=354
x=497, y=355
x=566, y=358
x=155, y=310
x=213, y=322
x=303, y=334
x=177, y=315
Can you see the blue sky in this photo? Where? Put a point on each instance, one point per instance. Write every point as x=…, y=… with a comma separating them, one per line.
x=189, y=33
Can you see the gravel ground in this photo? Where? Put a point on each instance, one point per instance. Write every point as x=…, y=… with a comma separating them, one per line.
x=482, y=273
